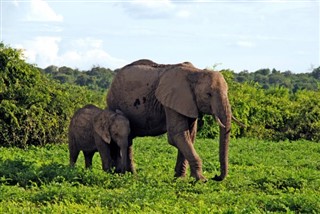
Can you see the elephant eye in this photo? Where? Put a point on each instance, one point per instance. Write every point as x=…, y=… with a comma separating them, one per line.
x=209, y=94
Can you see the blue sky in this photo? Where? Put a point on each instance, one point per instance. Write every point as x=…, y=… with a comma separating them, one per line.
x=228, y=34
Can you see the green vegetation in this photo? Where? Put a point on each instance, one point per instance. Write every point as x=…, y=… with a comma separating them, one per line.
x=275, y=113
x=272, y=78
x=34, y=109
x=263, y=177
x=95, y=79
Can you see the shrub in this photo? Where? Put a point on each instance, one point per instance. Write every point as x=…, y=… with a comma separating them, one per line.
x=275, y=113
x=35, y=110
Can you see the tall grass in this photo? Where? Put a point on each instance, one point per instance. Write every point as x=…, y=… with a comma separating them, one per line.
x=263, y=177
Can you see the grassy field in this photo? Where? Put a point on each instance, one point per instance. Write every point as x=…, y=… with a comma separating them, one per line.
x=263, y=177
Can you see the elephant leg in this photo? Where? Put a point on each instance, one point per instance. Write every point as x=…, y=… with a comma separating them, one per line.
x=181, y=164
x=105, y=155
x=74, y=153
x=179, y=135
x=117, y=157
x=114, y=154
x=193, y=123
x=122, y=159
x=88, y=155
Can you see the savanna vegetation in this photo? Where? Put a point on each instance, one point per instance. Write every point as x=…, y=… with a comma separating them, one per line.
x=274, y=160
x=263, y=177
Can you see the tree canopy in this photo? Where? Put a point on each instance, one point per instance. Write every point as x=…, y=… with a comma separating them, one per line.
x=272, y=78
x=97, y=78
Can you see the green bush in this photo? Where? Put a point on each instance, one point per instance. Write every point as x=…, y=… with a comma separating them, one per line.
x=275, y=113
x=34, y=109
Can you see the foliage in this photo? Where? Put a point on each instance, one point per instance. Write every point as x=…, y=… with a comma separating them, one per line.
x=263, y=177
x=272, y=78
x=97, y=78
x=275, y=113
x=35, y=110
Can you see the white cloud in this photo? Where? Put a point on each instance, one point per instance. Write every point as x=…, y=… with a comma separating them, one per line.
x=87, y=43
x=41, y=50
x=80, y=53
x=40, y=11
x=84, y=53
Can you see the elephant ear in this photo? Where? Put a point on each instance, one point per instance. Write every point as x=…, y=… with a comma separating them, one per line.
x=174, y=92
x=101, y=126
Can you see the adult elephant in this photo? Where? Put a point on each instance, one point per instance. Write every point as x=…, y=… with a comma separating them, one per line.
x=160, y=98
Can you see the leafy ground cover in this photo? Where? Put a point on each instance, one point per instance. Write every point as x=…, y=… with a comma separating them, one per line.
x=263, y=177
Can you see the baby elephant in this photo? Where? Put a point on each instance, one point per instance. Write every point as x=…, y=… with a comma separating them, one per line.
x=93, y=129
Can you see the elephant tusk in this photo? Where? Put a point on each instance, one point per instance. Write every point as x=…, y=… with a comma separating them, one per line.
x=238, y=122
x=219, y=122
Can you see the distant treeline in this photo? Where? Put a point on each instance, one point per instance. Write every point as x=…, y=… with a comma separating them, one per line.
x=99, y=78
x=270, y=78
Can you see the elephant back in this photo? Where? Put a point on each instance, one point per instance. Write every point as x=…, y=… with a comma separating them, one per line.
x=132, y=92
x=81, y=126
x=142, y=62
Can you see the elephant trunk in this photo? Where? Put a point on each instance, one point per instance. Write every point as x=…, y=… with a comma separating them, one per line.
x=225, y=116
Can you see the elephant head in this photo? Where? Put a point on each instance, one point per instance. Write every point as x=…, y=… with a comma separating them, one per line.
x=188, y=91
x=113, y=127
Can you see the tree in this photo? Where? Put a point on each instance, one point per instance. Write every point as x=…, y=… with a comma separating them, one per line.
x=316, y=73
x=265, y=71
x=82, y=80
x=51, y=69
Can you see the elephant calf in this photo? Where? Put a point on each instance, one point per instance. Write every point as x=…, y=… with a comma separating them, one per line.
x=92, y=129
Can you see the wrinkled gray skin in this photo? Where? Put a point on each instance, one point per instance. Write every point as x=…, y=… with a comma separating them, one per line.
x=92, y=129
x=160, y=98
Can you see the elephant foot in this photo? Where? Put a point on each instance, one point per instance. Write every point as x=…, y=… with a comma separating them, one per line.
x=201, y=178
x=120, y=171
x=180, y=174
x=196, y=172
x=107, y=169
x=218, y=178
x=124, y=170
x=198, y=176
